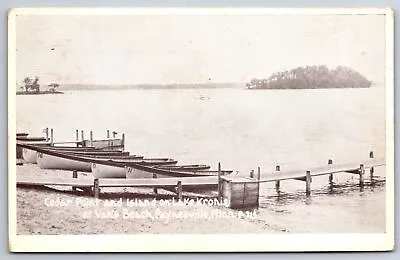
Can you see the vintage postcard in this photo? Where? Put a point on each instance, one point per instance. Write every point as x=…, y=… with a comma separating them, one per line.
x=200, y=129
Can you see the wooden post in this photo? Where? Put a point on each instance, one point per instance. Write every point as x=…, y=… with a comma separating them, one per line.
x=258, y=185
x=51, y=137
x=74, y=175
x=179, y=190
x=330, y=175
x=47, y=133
x=82, y=135
x=123, y=141
x=308, y=183
x=371, y=170
x=91, y=138
x=277, y=183
x=252, y=174
x=77, y=137
x=155, y=190
x=96, y=188
x=108, y=134
x=219, y=183
x=361, y=172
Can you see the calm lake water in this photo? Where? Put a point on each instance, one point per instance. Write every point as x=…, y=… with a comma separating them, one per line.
x=243, y=129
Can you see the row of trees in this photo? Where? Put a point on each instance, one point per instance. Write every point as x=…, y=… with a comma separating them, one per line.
x=32, y=85
x=312, y=77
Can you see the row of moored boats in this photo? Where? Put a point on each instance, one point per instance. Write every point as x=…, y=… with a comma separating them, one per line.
x=104, y=158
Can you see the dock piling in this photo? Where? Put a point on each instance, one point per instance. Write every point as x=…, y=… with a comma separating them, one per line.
x=108, y=138
x=277, y=183
x=77, y=137
x=252, y=174
x=219, y=183
x=47, y=133
x=75, y=176
x=179, y=190
x=308, y=183
x=96, y=188
x=258, y=185
x=82, y=136
x=91, y=138
x=155, y=190
x=123, y=140
x=361, y=172
x=51, y=137
x=371, y=170
x=330, y=175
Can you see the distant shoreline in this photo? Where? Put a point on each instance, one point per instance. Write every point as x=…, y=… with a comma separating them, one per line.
x=38, y=92
x=68, y=87
x=240, y=85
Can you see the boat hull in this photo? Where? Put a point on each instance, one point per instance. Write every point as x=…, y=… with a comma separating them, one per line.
x=141, y=171
x=22, y=138
x=46, y=161
x=185, y=168
x=29, y=156
x=135, y=173
x=105, y=168
x=107, y=171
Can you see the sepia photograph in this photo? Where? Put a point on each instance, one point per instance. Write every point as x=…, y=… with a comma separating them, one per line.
x=200, y=129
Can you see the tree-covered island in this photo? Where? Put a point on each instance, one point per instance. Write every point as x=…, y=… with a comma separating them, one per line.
x=312, y=77
x=32, y=87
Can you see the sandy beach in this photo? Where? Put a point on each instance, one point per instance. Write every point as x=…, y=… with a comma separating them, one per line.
x=53, y=210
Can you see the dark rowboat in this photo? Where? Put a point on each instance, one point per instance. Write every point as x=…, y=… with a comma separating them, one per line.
x=141, y=171
x=190, y=167
x=81, y=161
x=29, y=151
x=23, y=138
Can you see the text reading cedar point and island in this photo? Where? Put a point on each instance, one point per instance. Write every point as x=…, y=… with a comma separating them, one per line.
x=86, y=202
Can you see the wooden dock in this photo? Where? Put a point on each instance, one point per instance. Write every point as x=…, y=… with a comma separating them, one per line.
x=96, y=184
x=323, y=170
x=239, y=191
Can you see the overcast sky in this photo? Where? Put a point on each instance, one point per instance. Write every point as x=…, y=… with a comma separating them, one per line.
x=193, y=48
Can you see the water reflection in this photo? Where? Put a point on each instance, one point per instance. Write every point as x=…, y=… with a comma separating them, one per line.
x=280, y=197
